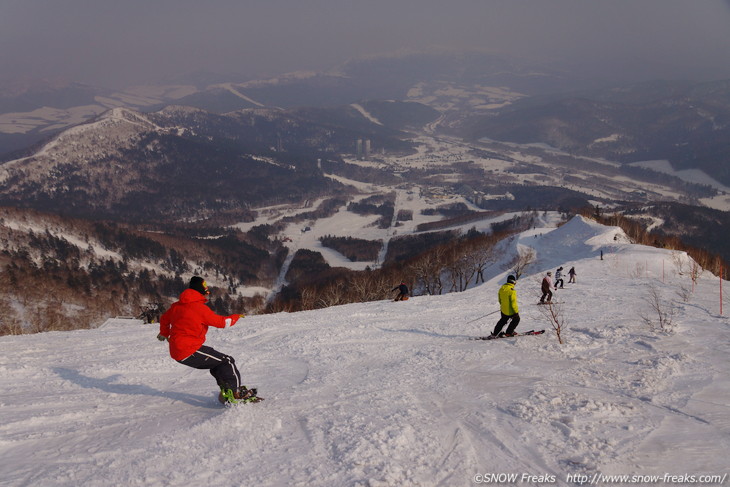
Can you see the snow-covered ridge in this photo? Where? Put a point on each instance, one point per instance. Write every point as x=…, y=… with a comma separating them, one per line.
x=396, y=393
x=108, y=134
x=115, y=118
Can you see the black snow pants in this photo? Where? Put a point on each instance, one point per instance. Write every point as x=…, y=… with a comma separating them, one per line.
x=546, y=294
x=221, y=366
x=515, y=320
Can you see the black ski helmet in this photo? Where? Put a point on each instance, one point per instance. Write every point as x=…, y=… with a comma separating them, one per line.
x=199, y=284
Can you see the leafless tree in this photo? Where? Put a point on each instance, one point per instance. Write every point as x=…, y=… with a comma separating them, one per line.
x=481, y=255
x=368, y=286
x=459, y=269
x=525, y=256
x=308, y=297
x=10, y=324
x=554, y=314
x=331, y=295
x=428, y=269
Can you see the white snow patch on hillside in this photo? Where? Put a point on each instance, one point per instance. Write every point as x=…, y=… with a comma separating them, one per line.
x=232, y=89
x=610, y=138
x=392, y=394
x=720, y=202
x=696, y=176
x=365, y=113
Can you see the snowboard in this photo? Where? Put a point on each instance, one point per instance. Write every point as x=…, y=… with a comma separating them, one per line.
x=526, y=333
x=251, y=397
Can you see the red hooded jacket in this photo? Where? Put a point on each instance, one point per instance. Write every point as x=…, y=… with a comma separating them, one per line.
x=186, y=323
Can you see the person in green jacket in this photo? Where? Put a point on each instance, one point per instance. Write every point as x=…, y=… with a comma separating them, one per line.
x=508, y=308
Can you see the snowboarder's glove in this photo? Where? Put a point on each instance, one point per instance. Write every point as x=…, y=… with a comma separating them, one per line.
x=161, y=337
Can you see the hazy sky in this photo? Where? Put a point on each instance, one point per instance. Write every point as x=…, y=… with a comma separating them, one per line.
x=120, y=42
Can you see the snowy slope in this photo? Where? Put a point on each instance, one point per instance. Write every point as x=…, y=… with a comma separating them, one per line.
x=393, y=394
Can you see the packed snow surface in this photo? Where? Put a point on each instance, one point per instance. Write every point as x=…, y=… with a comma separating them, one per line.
x=395, y=394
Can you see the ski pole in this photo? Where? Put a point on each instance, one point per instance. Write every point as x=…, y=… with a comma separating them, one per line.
x=488, y=314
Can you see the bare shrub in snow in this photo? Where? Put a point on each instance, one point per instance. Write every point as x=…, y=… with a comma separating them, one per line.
x=660, y=313
x=680, y=262
x=684, y=294
x=695, y=271
x=554, y=314
x=639, y=271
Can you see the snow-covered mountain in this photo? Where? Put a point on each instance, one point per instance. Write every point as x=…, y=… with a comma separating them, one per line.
x=102, y=168
x=396, y=394
x=192, y=161
x=33, y=110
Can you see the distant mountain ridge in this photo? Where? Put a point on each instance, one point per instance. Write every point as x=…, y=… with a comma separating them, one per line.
x=687, y=124
x=31, y=113
x=186, y=162
x=476, y=95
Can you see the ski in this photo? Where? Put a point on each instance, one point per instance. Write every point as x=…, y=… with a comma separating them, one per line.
x=526, y=333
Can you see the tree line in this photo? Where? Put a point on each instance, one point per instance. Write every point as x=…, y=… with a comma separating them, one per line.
x=436, y=264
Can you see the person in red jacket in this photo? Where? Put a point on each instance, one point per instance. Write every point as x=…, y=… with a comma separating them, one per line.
x=184, y=326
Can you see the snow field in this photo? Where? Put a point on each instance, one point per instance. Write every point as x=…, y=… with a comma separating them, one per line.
x=391, y=394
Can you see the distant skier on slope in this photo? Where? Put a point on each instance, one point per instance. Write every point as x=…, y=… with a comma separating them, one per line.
x=185, y=325
x=402, y=292
x=572, y=275
x=559, y=278
x=547, y=283
x=508, y=308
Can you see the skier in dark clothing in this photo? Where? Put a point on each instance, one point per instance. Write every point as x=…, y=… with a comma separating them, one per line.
x=572, y=275
x=508, y=308
x=559, y=278
x=547, y=283
x=402, y=292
